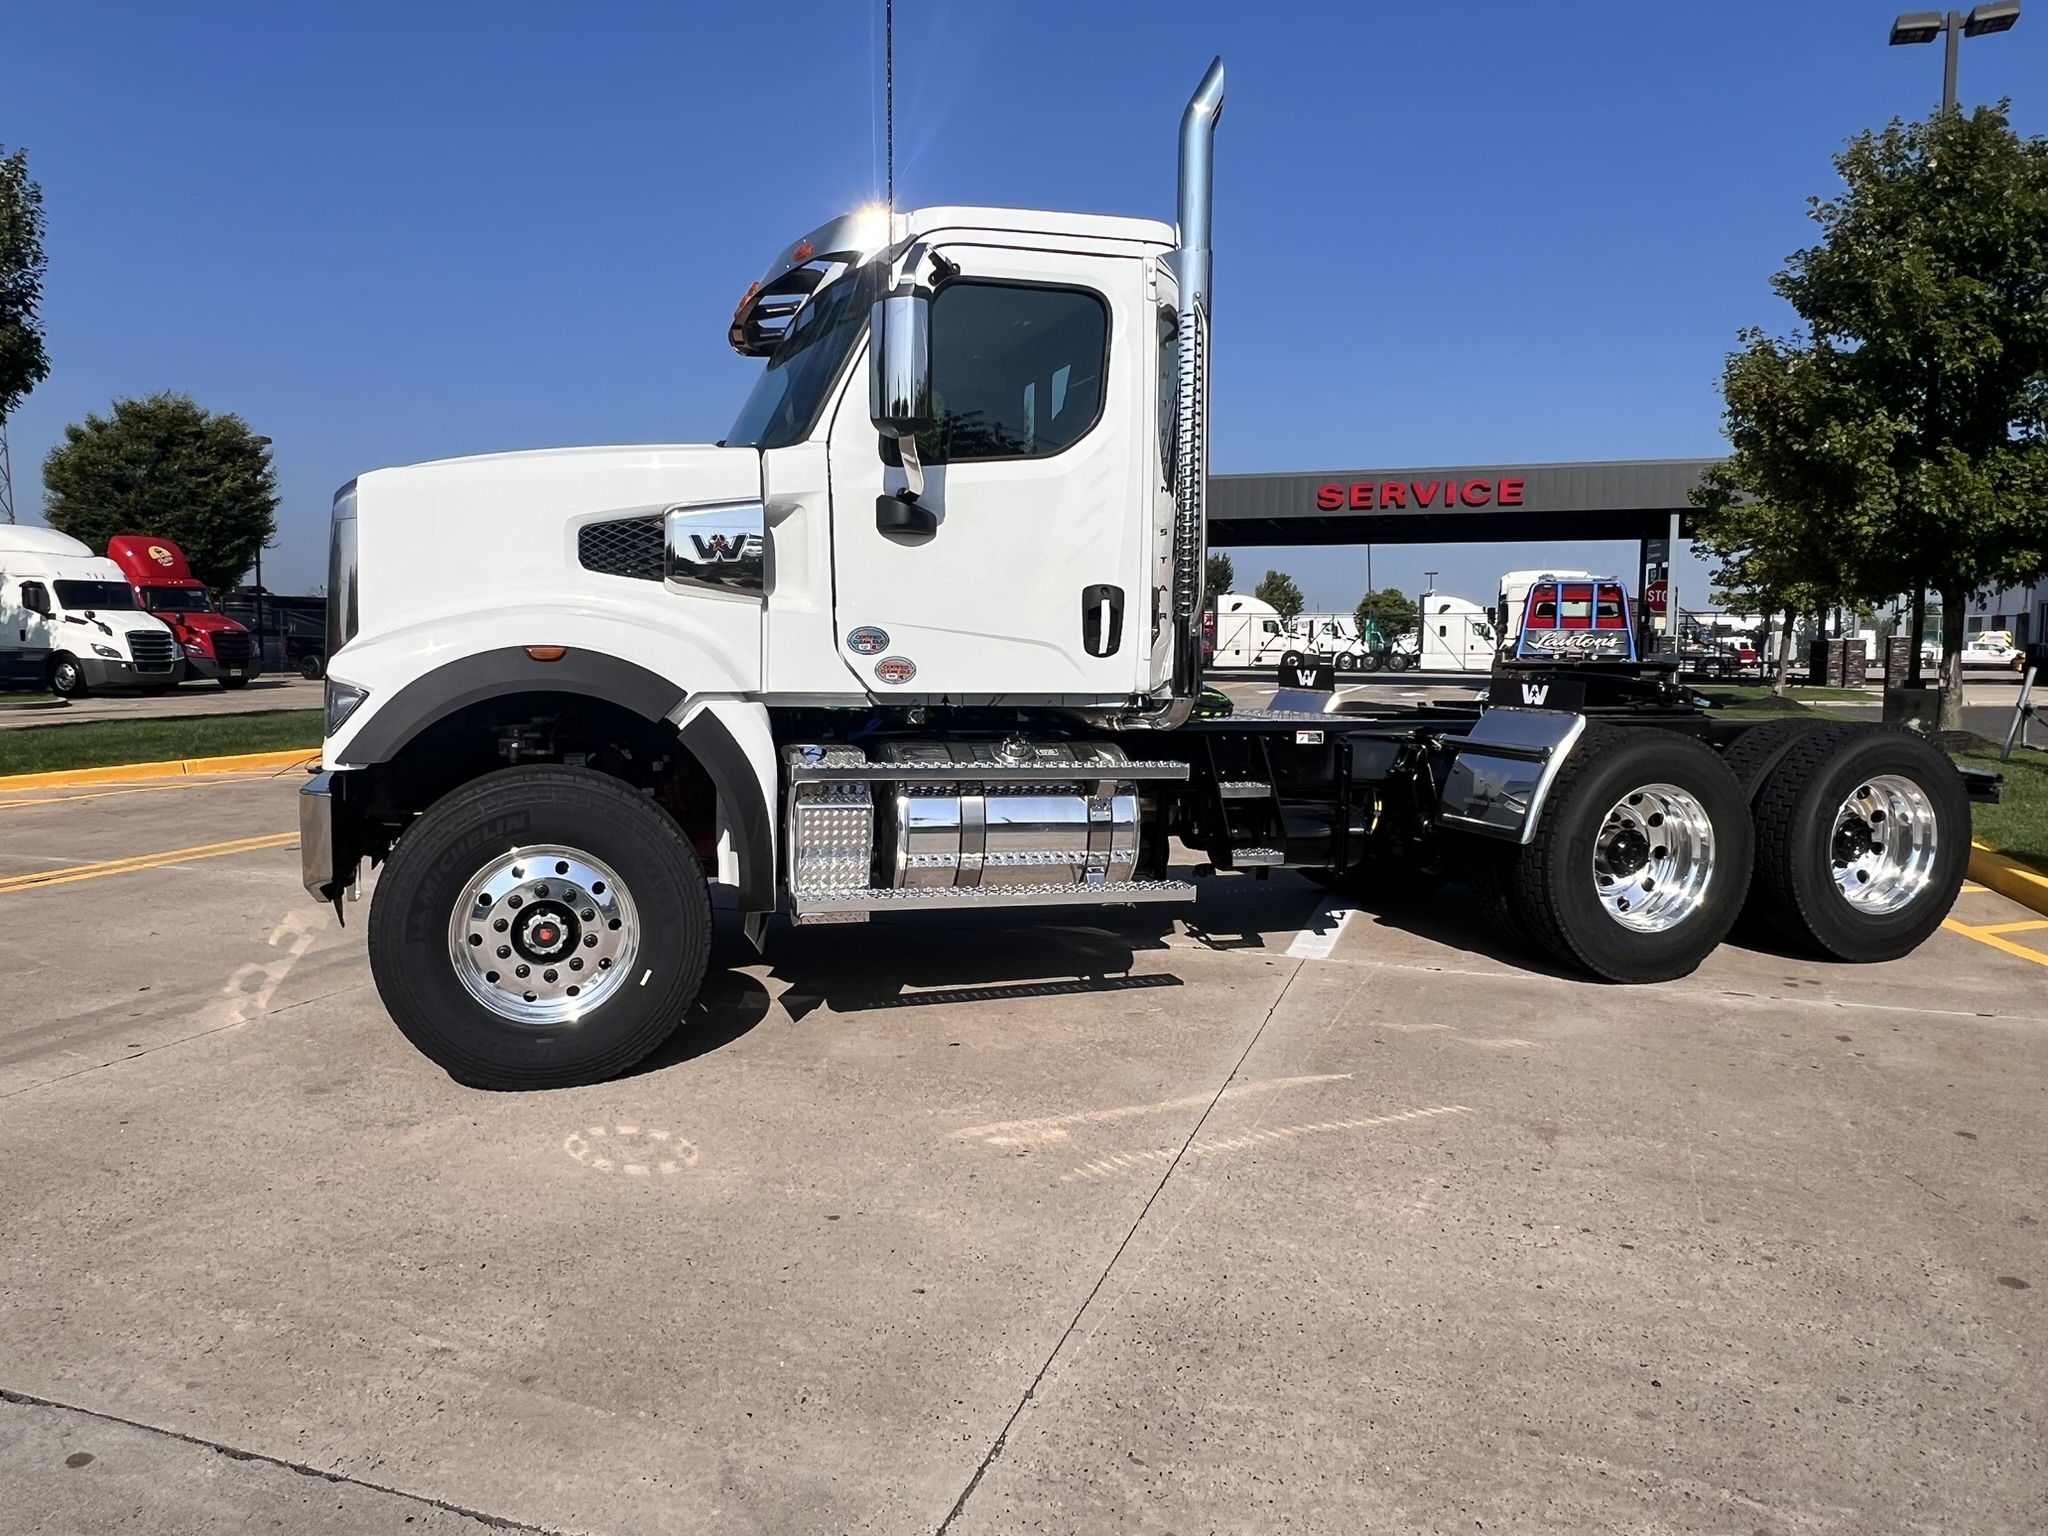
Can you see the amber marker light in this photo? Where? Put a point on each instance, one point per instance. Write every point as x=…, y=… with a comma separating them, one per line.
x=547, y=652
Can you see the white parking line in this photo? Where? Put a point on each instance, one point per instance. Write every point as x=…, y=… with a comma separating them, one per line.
x=1319, y=937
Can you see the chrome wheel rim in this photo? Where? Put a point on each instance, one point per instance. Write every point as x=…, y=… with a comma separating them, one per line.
x=1883, y=846
x=543, y=935
x=1653, y=858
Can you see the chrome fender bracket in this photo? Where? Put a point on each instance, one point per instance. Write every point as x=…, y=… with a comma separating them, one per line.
x=1503, y=771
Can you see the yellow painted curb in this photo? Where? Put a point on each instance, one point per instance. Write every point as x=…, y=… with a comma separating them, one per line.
x=2008, y=877
x=240, y=762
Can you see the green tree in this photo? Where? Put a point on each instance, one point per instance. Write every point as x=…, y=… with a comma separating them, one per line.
x=1394, y=612
x=164, y=466
x=1219, y=577
x=23, y=362
x=1925, y=349
x=1797, y=513
x=1277, y=590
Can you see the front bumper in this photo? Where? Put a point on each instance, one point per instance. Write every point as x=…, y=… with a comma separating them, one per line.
x=207, y=667
x=103, y=673
x=316, y=840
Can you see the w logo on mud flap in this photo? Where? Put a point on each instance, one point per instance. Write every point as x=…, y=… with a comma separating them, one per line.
x=1534, y=694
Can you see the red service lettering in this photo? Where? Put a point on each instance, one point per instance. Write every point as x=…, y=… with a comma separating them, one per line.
x=1478, y=492
x=1394, y=494
x=1425, y=494
x=1361, y=498
x=1329, y=497
x=1511, y=493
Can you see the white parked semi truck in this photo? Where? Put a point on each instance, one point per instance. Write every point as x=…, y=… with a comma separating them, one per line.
x=923, y=634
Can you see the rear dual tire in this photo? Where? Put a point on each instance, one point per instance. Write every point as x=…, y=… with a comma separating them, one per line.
x=1640, y=861
x=541, y=927
x=1863, y=840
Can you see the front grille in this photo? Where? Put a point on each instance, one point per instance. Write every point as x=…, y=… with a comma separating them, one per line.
x=231, y=647
x=627, y=546
x=150, y=647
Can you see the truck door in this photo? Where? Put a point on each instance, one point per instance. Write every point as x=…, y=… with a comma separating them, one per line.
x=24, y=633
x=1035, y=581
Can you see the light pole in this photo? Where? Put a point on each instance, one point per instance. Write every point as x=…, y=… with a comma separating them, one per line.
x=262, y=643
x=1925, y=27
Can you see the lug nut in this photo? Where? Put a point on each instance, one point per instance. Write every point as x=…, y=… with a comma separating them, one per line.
x=519, y=971
x=548, y=975
x=500, y=925
x=576, y=964
x=504, y=951
x=541, y=889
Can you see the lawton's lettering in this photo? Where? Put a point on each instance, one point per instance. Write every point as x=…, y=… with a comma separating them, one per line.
x=1415, y=495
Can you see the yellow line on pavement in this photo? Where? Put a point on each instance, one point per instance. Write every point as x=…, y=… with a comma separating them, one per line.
x=11, y=883
x=168, y=785
x=1991, y=936
x=2035, y=926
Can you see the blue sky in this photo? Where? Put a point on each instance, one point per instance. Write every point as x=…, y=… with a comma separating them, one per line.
x=385, y=233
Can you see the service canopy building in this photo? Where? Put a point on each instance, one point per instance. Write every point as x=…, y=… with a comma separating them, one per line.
x=1617, y=499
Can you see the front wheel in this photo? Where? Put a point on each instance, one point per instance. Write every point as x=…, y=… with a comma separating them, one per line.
x=1373, y=661
x=1641, y=860
x=67, y=678
x=1399, y=661
x=541, y=927
x=1346, y=662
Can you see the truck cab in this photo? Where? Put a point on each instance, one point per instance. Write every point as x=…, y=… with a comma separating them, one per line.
x=69, y=621
x=215, y=645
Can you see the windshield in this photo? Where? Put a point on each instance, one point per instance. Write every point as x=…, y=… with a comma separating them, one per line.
x=177, y=600
x=786, y=399
x=82, y=595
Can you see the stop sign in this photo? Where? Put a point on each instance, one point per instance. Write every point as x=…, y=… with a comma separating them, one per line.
x=1654, y=594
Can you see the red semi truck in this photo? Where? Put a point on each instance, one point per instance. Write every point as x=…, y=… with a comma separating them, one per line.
x=215, y=645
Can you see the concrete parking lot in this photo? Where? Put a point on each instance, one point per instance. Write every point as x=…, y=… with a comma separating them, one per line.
x=1264, y=1217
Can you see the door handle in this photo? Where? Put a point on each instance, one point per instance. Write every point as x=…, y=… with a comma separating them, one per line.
x=1102, y=619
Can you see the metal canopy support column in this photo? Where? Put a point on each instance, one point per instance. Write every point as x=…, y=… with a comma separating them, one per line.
x=1671, y=584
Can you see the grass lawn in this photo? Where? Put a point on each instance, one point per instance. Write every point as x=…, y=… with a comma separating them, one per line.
x=2018, y=825
x=105, y=743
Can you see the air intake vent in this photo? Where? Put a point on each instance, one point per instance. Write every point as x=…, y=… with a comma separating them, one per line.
x=629, y=546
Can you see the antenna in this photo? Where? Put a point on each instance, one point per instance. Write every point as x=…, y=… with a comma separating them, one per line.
x=6, y=476
x=889, y=94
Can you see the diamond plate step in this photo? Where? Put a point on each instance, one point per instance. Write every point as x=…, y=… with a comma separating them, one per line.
x=854, y=906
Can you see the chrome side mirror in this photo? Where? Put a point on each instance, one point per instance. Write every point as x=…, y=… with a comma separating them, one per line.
x=900, y=363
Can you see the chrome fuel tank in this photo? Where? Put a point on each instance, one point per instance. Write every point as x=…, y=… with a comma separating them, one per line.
x=1072, y=822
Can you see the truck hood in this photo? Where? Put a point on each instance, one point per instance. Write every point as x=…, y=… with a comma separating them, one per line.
x=429, y=536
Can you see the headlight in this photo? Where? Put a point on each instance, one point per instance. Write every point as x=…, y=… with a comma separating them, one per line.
x=342, y=699
x=107, y=651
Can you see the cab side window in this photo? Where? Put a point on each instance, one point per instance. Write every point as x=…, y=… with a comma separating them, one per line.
x=1017, y=370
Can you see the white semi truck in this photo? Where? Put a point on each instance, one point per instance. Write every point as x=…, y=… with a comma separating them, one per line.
x=923, y=634
x=70, y=622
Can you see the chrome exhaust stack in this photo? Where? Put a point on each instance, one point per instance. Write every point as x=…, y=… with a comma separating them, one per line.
x=1191, y=264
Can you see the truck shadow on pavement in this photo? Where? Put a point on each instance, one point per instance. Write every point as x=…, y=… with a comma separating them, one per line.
x=909, y=963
